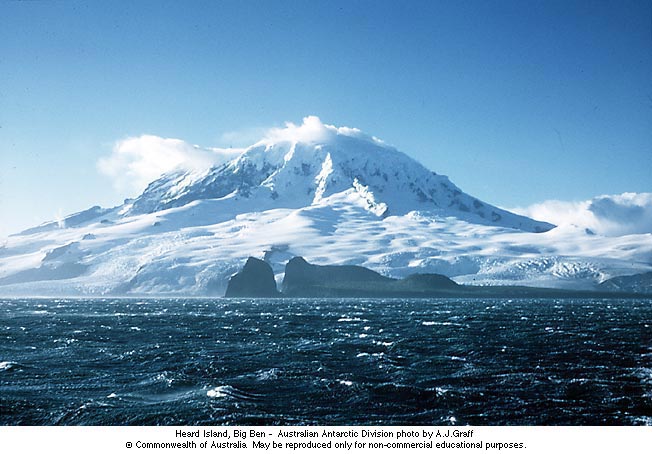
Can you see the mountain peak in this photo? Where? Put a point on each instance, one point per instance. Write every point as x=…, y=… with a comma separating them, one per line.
x=333, y=195
x=317, y=164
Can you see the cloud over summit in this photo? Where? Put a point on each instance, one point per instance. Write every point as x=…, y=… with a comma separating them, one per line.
x=134, y=162
x=313, y=129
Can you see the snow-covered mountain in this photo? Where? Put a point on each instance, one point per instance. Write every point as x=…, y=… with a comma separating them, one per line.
x=333, y=161
x=332, y=195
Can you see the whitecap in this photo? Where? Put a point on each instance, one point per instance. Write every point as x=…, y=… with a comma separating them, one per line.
x=127, y=353
x=66, y=341
x=224, y=391
x=216, y=392
x=442, y=324
x=644, y=374
x=644, y=420
x=345, y=382
x=163, y=377
x=7, y=365
x=270, y=374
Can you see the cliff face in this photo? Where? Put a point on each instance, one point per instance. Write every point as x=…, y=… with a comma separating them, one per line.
x=329, y=194
x=302, y=279
x=256, y=280
x=305, y=280
x=429, y=282
x=637, y=283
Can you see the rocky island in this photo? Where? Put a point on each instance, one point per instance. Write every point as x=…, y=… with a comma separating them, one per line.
x=306, y=280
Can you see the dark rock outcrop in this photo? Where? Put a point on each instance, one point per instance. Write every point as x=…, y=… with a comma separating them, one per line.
x=303, y=279
x=428, y=282
x=637, y=283
x=256, y=280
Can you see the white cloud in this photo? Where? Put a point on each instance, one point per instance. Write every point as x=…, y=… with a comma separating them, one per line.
x=136, y=161
x=609, y=215
x=312, y=129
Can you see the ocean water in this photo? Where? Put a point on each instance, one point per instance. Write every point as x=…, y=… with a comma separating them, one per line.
x=325, y=362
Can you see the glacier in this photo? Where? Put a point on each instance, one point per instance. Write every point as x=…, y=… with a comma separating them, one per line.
x=333, y=195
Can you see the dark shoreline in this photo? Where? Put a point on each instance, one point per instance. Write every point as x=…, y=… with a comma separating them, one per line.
x=305, y=280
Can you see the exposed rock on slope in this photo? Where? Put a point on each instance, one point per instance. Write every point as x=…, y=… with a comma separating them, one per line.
x=332, y=194
x=304, y=279
x=256, y=280
x=638, y=283
x=284, y=173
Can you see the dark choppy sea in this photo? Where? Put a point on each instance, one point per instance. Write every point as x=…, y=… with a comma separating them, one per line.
x=325, y=362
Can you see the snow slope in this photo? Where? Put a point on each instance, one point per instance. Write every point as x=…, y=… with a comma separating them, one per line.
x=332, y=195
x=285, y=172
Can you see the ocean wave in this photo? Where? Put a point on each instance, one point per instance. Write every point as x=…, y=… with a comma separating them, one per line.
x=230, y=392
x=7, y=366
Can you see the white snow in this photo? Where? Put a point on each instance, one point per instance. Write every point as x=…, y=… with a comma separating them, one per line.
x=332, y=195
x=321, y=178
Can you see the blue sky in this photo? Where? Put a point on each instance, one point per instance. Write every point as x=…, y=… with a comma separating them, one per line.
x=517, y=101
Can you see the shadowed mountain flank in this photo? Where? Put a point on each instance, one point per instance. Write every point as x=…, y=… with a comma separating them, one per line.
x=256, y=280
